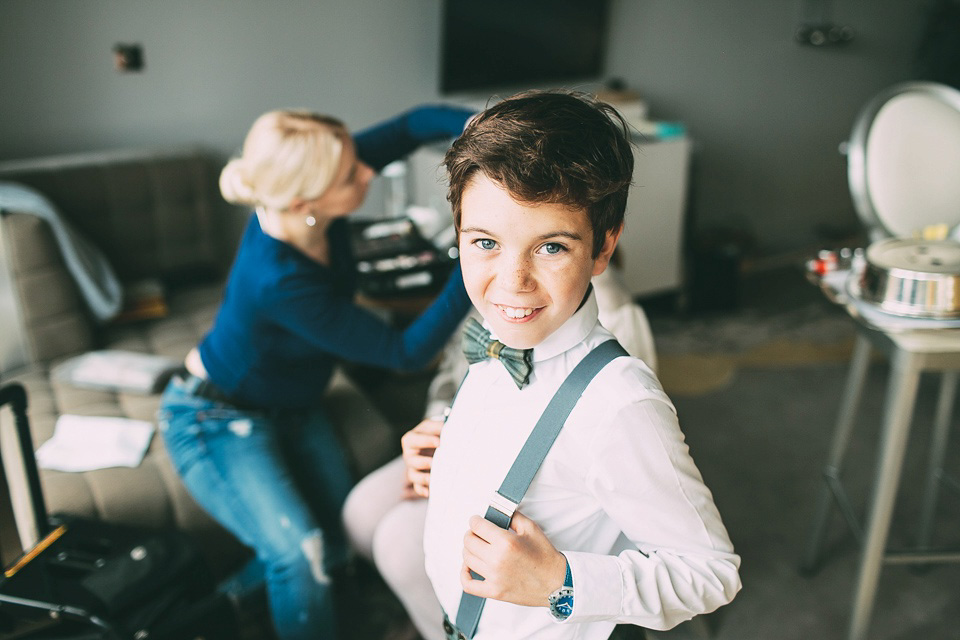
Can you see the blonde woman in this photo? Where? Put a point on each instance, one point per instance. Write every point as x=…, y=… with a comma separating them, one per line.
x=243, y=425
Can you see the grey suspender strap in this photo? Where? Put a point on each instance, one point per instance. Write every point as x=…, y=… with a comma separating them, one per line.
x=531, y=456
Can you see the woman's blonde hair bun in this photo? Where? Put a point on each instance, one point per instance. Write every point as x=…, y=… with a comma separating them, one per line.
x=234, y=185
x=287, y=154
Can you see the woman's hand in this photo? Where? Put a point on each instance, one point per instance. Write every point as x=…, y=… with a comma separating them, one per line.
x=418, y=446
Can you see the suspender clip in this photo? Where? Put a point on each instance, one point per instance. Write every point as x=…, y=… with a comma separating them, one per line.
x=503, y=504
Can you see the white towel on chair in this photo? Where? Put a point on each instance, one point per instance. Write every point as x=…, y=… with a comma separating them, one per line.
x=93, y=274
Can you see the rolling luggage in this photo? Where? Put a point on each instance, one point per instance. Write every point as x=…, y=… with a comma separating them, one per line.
x=87, y=579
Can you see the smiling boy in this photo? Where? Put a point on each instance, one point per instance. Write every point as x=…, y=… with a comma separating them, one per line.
x=617, y=526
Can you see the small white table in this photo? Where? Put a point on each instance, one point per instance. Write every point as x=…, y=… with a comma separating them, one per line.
x=911, y=351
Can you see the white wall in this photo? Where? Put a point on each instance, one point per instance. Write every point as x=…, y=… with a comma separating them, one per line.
x=766, y=113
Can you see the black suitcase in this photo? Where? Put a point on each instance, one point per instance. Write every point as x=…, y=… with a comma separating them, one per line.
x=87, y=579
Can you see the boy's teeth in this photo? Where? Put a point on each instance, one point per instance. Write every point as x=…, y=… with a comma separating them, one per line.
x=515, y=312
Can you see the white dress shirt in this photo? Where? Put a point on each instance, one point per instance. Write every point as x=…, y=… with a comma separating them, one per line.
x=618, y=494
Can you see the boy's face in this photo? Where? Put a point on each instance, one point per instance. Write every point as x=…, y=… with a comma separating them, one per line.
x=526, y=267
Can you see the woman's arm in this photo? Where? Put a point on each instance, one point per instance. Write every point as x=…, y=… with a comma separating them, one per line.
x=381, y=144
x=345, y=330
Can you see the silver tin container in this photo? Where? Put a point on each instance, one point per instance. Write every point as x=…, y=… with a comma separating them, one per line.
x=916, y=278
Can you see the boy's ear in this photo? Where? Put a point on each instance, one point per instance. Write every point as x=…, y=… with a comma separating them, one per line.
x=606, y=251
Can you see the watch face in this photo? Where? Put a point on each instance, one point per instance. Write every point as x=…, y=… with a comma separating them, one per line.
x=561, y=603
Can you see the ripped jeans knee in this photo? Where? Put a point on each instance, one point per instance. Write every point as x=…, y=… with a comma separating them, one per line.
x=313, y=550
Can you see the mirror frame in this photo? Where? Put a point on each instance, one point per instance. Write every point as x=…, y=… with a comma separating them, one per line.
x=857, y=147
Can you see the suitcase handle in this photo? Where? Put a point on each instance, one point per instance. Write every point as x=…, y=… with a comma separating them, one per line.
x=16, y=396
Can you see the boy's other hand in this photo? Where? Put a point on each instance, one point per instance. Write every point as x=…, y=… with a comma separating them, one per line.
x=519, y=565
x=418, y=446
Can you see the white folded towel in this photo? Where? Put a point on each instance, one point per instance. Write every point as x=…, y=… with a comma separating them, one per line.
x=85, y=443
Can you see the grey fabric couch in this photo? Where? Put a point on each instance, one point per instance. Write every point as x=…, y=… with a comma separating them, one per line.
x=154, y=213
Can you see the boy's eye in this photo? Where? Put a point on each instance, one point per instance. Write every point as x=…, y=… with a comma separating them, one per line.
x=553, y=248
x=485, y=243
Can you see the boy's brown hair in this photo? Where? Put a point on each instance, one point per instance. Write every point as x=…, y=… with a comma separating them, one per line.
x=549, y=147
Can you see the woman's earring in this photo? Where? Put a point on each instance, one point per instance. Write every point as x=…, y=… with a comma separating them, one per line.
x=311, y=221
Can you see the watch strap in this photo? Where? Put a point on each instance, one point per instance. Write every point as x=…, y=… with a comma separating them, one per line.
x=561, y=600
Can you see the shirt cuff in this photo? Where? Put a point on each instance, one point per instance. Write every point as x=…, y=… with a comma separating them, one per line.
x=597, y=586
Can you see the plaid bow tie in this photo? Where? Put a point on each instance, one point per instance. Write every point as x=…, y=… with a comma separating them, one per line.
x=478, y=345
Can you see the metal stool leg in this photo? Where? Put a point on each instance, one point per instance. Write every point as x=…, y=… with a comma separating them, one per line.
x=938, y=449
x=901, y=394
x=841, y=438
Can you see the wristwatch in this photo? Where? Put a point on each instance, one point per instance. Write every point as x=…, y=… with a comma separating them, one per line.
x=561, y=600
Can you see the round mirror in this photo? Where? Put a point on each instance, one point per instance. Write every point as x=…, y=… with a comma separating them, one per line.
x=904, y=160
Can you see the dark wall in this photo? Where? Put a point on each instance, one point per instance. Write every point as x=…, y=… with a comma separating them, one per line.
x=767, y=113
x=210, y=68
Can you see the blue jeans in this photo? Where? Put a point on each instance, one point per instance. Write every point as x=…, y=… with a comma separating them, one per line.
x=277, y=480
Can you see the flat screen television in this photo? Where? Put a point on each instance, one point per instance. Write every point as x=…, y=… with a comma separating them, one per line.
x=490, y=44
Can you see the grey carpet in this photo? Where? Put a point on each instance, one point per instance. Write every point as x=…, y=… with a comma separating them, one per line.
x=760, y=443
